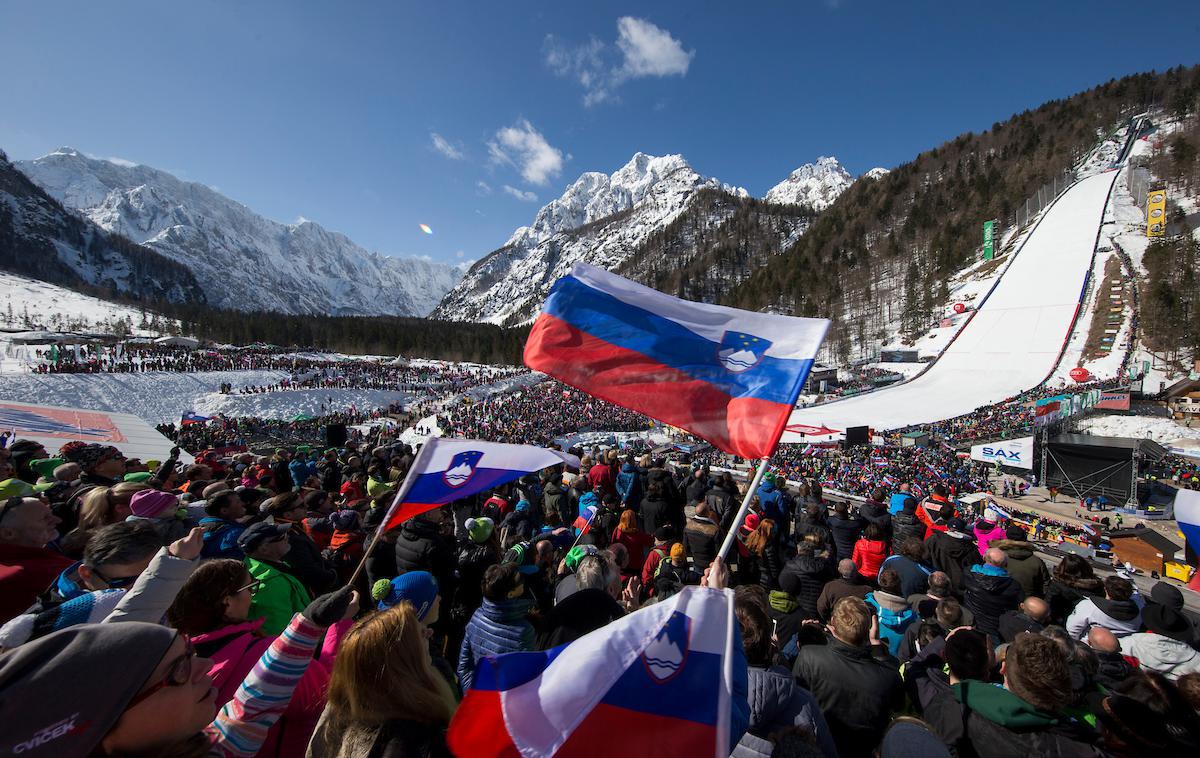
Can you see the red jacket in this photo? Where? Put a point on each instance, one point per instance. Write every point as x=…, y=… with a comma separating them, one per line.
x=657, y=554
x=638, y=544
x=935, y=504
x=869, y=556
x=601, y=475
x=239, y=647
x=24, y=573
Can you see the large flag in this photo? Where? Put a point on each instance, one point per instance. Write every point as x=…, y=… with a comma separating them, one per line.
x=447, y=469
x=660, y=680
x=727, y=375
x=1187, y=515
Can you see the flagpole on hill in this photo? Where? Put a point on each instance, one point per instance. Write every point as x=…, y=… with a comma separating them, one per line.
x=741, y=514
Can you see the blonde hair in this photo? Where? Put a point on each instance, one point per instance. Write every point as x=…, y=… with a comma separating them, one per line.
x=98, y=507
x=757, y=540
x=383, y=672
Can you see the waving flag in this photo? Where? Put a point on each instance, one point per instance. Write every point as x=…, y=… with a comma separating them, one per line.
x=727, y=375
x=584, y=522
x=1187, y=515
x=663, y=675
x=191, y=417
x=446, y=470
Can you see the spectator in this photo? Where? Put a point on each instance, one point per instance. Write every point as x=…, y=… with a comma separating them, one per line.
x=892, y=612
x=279, y=594
x=849, y=583
x=1071, y=582
x=701, y=537
x=990, y=591
x=870, y=551
x=500, y=624
x=636, y=541
x=952, y=551
x=1117, y=611
x=1164, y=646
x=1113, y=667
x=1029, y=570
x=804, y=577
x=27, y=563
x=909, y=564
x=594, y=603
x=846, y=530
x=222, y=525
x=906, y=525
x=1032, y=616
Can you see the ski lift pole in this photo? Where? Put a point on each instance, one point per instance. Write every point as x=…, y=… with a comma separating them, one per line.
x=741, y=514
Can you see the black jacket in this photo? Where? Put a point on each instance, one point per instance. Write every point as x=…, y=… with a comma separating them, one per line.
x=877, y=513
x=858, y=691
x=988, y=597
x=846, y=532
x=306, y=562
x=952, y=555
x=421, y=547
x=555, y=501
x=702, y=545
x=1014, y=622
x=577, y=614
x=1064, y=597
x=657, y=512
x=904, y=527
x=803, y=578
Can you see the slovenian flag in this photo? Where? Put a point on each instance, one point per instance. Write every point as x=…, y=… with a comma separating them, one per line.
x=670, y=674
x=1187, y=516
x=446, y=470
x=192, y=417
x=726, y=375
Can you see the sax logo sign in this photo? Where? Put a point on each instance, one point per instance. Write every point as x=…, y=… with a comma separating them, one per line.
x=1016, y=453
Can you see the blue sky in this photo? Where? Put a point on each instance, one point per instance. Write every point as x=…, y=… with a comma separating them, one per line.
x=329, y=110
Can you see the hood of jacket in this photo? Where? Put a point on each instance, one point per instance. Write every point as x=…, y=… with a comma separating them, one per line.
x=419, y=528
x=1159, y=652
x=1018, y=550
x=1121, y=610
x=1000, y=706
x=505, y=611
x=629, y=468
x=770, y=692
x=889, y=603
x=232, y=630
x=805, y=564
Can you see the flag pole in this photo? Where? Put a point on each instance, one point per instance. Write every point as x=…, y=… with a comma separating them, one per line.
x=741, y=514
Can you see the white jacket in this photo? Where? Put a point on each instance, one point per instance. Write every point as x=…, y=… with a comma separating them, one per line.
x=1167, y=656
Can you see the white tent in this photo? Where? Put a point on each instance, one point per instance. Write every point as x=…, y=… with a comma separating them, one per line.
x=55, y=426
x=177, y=342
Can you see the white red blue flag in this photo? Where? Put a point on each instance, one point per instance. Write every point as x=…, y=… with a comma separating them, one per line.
x=584, y=522
x=663, y=676
x=726, y=375
x=1187, y=516
x=448, y=469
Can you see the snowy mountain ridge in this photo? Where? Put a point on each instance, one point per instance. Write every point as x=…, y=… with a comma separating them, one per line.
x=242, y=260
x=601, y=219
x=816, y=184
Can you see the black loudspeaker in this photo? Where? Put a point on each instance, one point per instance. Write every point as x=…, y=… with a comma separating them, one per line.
x=335, y=435
x=857, y=435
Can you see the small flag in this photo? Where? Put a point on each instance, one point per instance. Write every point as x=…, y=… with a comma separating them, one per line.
x=584, y=522
x=448, y=469
x=726, y=375
x=663, y=675
x=192, y=418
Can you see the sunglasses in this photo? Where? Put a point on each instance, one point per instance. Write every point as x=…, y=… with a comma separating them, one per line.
x=179, y=673
x=116, y=583
x=252, y=587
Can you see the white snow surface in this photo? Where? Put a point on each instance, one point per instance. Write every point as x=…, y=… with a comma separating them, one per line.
x=1156, y=428
x=816, y=185
x=36, y=305
x=600, y=219
x=1013, y=341
x=242, y=260
x=290, y=403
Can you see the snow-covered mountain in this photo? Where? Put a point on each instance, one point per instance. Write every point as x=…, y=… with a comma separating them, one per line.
x=816, y=185
x=600, y=219
x=241, y=259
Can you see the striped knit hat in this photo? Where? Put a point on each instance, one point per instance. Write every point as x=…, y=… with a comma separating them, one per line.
x=88, y=608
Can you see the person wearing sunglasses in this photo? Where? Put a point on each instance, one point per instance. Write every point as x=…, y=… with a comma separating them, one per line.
x=281, y=593
x=142, y=689
x=27, y=562
x=213, y=608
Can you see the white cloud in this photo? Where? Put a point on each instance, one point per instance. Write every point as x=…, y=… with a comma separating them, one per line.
x=523, y=196
x=524, y=148
x=443, y=146
x=483, y=188
x=459, y=254
x=641, y=50
x=122, y=162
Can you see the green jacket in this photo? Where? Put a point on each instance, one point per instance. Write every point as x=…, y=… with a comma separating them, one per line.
x=279, y=597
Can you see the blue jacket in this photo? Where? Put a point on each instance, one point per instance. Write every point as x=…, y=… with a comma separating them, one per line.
x=772, y=501
x=892, y=624
x=220, y=538
x=896, y=503
x=629, y=485
x=494, y=629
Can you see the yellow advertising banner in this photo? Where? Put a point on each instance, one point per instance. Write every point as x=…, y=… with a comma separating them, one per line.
x=1156, y=212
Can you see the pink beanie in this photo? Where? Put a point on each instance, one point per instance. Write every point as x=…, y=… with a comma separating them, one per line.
x=152, y=503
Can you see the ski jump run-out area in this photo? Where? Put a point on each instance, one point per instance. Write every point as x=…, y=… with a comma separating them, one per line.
x=1013, y=341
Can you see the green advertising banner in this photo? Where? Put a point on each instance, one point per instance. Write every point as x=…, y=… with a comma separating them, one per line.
x=988, y=247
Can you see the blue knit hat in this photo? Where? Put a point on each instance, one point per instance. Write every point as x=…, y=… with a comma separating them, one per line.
x=417, y=587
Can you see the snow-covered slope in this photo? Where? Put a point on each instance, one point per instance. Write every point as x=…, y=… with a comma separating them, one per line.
x=600, y=219
x=816, y=185
x=31, y=304
x=242, y=260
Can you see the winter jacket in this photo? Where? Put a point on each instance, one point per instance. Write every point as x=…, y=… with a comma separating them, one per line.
x=700, y=538
x=770, y=566
x=846, y=532
x=577, y=614
x=914, y=578
x=234, y=650
x=667, y=487
x=868, y=556
x=155, y=589
x=278, y=598
x=952, y=553
x=658, y=512
x=1029, y=570
x=220, y=538
x=638, y=543
x=629, y=486
x=24, y=573
x=305, y=562
x=420, y=546
x=986, y=532
x=669, y=578
x=877, y=514
x=1121, y=617
x=773, y=503
x=989, y=592
x=1063, y=597
x=906, y=526
x=929, y=512
x=777, y=702
x=657, y=554
x=857, y=692
x=1014, y=622
x=586, y=501
x=980, y=719
x=1160, y=653
x=556, y=502
x=839, y=588
x=804, y=577
x=331, y=475
x=894, y=617
x=494, y=628
x=601, y=475
x=695, y=489
x=897, y=500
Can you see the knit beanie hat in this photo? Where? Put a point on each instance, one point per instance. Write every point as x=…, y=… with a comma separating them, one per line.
x=479, y=529
x=138, y=476
x=578, y=553
x=524, y=556
x=1014, y=532
x=677, y=551
x=45, y=466
x=345, y=520
x=45, y=717
x=87, y=456
x=88, y=608
x=153, y=503
x=417, y=587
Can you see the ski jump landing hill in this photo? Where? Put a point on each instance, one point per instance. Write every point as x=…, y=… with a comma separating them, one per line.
x=1012, y=343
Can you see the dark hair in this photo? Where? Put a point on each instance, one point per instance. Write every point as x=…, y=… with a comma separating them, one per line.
x=282, y=503
x=928, y=631
x=198, y=607
x=913, y=549
x=1117, y=588
x=889, y=581
x=841, y=509
x=1036, y=671
x=966, y=654
x=219, y=502
x=499, y=580
x=873, y=532
x=756, y=632
x=122, y=542
x=910, y=505
x=946, y=512
x=945, y=587
x=939, y=489
x=1072, y=568
x=878, y=494
x=948, y=613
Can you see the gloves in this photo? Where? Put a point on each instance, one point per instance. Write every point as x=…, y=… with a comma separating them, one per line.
x=330, y=608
